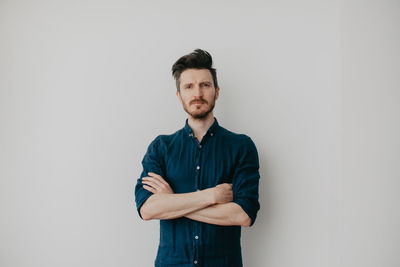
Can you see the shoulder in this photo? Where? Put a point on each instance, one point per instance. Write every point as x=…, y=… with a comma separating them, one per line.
x=163, y=141
x=240, y=144
x=240, y=139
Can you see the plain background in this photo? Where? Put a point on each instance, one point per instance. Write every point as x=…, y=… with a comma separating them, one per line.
x=85, y=86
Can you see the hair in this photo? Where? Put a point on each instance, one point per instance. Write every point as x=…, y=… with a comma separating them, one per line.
x=198, y=59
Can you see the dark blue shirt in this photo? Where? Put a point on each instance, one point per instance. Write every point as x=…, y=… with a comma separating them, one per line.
x=222, y=156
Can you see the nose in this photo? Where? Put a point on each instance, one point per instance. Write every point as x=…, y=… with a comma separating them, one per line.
x=198, y=91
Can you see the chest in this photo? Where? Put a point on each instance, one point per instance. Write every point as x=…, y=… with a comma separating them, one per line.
x=191, y=166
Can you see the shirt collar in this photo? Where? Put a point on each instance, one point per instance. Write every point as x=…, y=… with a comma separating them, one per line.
x=213, y=128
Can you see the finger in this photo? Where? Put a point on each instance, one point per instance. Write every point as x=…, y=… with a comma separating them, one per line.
x=152, y=184
x=148, y=188
x=154, y=178
x=151, y=181
x=155, y=181
x=158, y=178
x=152, y=174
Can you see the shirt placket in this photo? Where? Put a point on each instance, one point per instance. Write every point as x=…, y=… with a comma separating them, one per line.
x=196, y=224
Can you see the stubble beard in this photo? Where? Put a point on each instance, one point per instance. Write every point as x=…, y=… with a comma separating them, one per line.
x=201, y=115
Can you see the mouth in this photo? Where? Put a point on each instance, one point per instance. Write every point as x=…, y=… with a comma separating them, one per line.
x=197, y=102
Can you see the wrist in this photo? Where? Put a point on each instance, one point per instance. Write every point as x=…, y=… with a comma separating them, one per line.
x=210, y=195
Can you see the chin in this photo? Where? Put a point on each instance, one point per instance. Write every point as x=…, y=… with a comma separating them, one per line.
x=199, y=115
x=196, y=113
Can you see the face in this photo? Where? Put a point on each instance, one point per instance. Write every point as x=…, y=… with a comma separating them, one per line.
x=197, y=92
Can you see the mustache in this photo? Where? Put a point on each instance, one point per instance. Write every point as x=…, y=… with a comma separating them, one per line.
x=198, y=100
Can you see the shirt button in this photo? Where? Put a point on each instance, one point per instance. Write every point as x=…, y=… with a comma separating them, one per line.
x=199, y=146
x=197, y=237
x=198, y=167
x=211, y=134
x=195, y=262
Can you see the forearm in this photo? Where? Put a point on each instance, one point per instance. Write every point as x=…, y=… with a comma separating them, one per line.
x=221, y=214
x=169, y=206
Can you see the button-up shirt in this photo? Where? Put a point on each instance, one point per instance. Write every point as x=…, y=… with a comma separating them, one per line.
x=188, y=165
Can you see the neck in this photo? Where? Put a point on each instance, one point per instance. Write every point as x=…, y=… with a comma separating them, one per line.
x=200, y=126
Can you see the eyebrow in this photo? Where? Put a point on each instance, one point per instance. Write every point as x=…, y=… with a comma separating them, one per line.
x=200, y=82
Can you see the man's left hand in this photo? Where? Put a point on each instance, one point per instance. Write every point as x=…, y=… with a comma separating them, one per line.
x=156, y=184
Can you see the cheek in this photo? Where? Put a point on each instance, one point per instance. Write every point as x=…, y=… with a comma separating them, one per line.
x=211, y=96
x=186, y=101
x=183, y=98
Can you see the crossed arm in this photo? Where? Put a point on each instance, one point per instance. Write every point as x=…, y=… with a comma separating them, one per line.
x=212, y=205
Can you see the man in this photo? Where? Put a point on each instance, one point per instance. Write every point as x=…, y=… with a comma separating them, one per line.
x=201, y=182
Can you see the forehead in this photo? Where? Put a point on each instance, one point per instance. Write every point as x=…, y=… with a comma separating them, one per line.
x=195, y=76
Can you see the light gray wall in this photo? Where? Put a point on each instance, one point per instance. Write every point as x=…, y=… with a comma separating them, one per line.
x=369, y=226
x=86, y=85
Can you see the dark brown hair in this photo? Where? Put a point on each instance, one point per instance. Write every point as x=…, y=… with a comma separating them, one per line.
x=198, y=59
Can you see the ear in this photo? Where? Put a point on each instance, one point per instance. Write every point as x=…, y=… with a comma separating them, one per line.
x=178, y=95
x=216, y=93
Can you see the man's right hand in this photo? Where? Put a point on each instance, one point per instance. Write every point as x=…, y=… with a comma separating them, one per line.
x=223, y=193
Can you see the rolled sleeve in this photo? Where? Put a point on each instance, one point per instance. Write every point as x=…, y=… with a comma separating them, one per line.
x=246, y=179
x=152, y=162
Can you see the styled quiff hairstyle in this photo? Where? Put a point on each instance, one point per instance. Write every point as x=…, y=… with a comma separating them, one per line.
x=198, y=59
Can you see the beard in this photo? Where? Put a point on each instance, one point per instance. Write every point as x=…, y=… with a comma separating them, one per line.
x=199, y=113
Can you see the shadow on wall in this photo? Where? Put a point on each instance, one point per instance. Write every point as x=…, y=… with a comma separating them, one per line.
x=254, y=239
